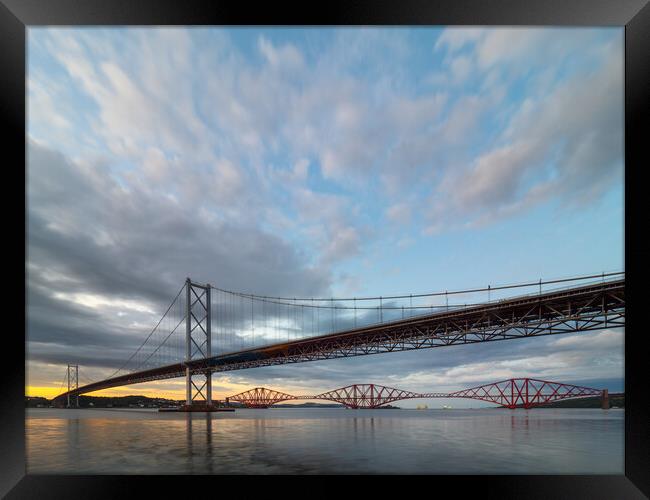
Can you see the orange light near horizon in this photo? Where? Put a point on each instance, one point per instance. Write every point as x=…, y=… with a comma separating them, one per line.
x=51, y=392
x=41, y=392
x=151, y=391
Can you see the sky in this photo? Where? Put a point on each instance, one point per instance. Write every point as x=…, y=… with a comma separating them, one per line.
x=318, y=163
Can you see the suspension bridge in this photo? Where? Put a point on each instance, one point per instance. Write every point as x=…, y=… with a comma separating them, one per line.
x=206, y=329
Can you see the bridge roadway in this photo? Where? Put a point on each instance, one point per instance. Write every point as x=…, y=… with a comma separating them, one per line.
x=585, y=308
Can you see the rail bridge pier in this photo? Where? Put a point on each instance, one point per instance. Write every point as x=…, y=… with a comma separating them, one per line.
x=605, y=400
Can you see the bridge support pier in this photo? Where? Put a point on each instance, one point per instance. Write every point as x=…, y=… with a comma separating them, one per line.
x=198, y=339
x=73, y=383
x=604, y=400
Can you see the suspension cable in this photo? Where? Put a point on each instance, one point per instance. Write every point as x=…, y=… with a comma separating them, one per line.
x=61, y=388
x=432, y=294
x=150, y=334
x=161, y=344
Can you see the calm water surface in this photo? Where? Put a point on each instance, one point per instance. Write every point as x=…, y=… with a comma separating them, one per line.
x=308, y=441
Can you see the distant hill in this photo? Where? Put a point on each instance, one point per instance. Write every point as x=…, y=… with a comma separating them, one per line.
x=325, y=405
x=615, y=400
x=108, y=402
x=36, y=402
x=308, y=405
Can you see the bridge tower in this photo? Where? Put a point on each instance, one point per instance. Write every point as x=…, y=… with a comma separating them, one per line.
x=198, y=338
x=73, y=383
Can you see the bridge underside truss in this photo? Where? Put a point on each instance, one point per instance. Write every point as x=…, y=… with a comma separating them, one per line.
x=582, y=309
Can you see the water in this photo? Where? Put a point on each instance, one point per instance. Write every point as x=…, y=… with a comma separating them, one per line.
x=312, y=441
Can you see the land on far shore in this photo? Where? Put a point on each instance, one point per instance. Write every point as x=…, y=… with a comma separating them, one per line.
x=107, y=402
x=147, y=402
x=615, y=401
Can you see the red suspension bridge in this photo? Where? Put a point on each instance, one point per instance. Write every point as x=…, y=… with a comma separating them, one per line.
x=511, y=393
x=197, y=336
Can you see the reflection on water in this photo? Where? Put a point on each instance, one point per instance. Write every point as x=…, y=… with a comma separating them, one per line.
x=304, y=441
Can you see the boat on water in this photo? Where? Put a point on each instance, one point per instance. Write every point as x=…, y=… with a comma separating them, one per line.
x=446, y=407
x=422, y=407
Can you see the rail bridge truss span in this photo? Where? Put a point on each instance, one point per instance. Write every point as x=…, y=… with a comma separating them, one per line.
x=584, y=308
x=511, y=393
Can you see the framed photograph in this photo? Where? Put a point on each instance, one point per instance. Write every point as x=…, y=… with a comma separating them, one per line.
x=368, y=239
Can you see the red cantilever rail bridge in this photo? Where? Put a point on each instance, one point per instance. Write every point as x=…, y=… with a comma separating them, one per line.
x=511, y=393
x=583, y=308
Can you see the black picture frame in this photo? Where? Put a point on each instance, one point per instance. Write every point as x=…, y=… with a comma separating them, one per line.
x=17, y=15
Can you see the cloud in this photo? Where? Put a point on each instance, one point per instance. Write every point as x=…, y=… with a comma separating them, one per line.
x=333, y=233
x=566, y=144
x=602, y=340
x=463, y=118
x=285, y=57
x=42, y=105
x=344, y=243
x=495, y=176
x=351, y=129
x=510, y=45
x=399, y=213
x=461, y=67
x=456, y=38
x=113, y=249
